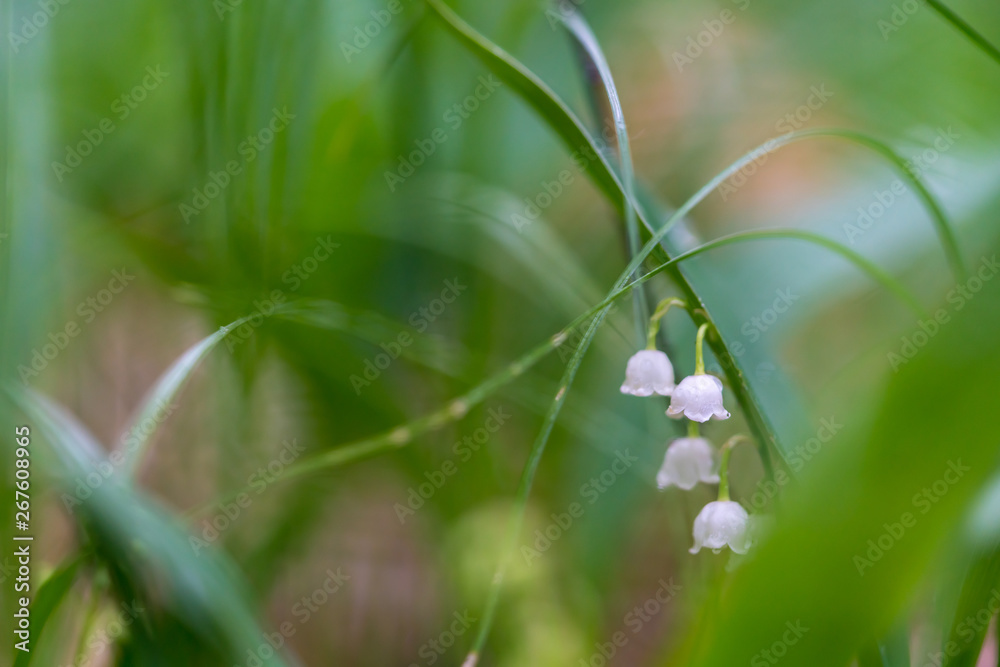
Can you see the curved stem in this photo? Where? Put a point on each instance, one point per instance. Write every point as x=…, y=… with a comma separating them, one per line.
x=699, y=350
x=654, y=321
x=694, y=430
x=585, y=37
x=725, y=451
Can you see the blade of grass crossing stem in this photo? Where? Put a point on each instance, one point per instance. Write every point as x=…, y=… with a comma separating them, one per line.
x=963, y=27
x=404, y=434
x=581, y=32
x=576, y=137
x=538, y=448
x=156, y=403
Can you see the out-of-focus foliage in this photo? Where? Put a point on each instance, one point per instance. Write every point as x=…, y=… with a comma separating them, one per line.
x=397, y=225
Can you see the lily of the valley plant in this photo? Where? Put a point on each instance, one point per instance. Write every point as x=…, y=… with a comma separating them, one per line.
x=692, y=459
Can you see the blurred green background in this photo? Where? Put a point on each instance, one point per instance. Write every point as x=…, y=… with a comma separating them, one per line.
x=172, y=167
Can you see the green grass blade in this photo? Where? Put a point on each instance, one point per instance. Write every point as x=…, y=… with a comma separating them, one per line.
x=581, y=32
x=404, y=434
x=963, y=27
x=149, y=557
x=576, y=137
x=50, y=595
x=162, y=394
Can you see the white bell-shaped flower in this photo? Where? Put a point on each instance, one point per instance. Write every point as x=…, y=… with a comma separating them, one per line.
x=687, y=462
x=699, y=398
x=722, y=523
x=649, y=372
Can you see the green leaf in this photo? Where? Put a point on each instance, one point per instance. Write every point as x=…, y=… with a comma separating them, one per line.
x=963, y=642
x=151, y=411
x=150, y=558
x=857, y=532
x=50, y=595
